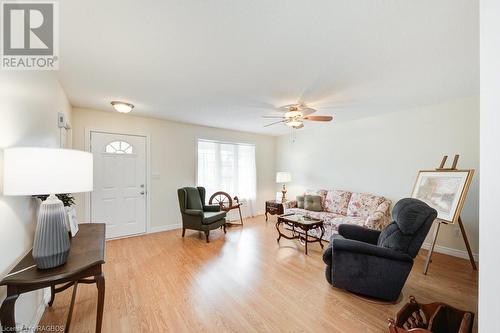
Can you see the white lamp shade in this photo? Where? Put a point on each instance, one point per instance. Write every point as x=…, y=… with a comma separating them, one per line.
x=35, y=171
x=283, y=177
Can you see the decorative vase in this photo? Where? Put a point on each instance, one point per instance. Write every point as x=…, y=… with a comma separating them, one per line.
x=51, y=244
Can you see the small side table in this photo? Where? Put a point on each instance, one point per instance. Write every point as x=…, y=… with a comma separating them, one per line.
x=274, y=207
x=84, y=265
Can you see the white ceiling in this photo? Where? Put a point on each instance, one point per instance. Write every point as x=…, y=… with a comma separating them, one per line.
x=225, y=63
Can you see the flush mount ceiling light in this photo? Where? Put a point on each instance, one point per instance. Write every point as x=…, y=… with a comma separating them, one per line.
x=122, y=107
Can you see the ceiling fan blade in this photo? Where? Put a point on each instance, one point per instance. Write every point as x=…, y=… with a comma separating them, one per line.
x=319, y=118
x=280, y=117
x=276, y=122
x=306, y=111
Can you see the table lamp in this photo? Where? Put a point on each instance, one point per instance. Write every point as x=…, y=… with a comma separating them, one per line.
x=38, y=171
x=283, y=178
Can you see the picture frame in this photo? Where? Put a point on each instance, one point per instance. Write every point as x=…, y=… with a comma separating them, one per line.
x=443, y=190
x=73, y=221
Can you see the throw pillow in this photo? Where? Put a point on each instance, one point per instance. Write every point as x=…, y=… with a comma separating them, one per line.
x=321, y=193
x=312, y=202
x=300, y=201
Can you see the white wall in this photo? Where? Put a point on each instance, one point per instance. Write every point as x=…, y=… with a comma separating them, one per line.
x=29, y=102
x=489, y=227
x=173, y=157
x=382, y=155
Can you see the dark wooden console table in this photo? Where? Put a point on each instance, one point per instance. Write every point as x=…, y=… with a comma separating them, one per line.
x=84, y=265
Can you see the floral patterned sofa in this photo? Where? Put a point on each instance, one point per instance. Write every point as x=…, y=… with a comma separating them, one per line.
x=340, y=207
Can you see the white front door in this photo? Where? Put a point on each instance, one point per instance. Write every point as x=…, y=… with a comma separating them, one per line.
x=119, y=196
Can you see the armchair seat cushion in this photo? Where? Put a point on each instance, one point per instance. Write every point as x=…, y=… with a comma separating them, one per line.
x=211, y=217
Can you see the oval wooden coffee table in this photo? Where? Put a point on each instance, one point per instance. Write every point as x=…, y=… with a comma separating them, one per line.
x=300, y=227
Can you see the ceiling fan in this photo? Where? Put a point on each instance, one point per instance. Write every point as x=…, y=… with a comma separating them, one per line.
x=295, y=115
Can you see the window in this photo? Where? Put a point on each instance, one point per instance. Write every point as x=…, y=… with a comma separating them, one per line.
x=228, y=167
x=119, y=147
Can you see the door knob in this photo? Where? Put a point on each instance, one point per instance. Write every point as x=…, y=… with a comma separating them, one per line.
x=142, y=185
x=142, y=192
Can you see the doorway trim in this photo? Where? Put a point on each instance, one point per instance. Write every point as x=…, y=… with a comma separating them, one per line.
x=87, y=201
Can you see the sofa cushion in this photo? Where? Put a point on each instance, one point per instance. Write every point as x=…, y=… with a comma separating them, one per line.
x=363, y=205
x=295, y=210
x=380, y=218
x=338, y=220
x=337, y=201
x=325, y=216
x=300, y=201
x=312, y=202
x=321, y=193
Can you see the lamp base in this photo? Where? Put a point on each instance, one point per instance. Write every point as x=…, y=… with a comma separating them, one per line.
x=283, y=197
x=51, y=244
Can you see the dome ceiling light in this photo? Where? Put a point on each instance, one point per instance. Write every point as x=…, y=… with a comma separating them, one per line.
x=122, y=107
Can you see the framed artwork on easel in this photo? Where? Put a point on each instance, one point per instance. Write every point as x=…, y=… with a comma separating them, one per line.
x=443, y=190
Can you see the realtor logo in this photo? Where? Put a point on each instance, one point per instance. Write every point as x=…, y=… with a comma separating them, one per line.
x=30, y=35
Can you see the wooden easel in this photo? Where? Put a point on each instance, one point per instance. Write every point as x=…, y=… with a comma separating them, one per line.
x=460, y=223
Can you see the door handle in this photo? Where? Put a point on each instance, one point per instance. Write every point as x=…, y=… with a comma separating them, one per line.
x=142, y=192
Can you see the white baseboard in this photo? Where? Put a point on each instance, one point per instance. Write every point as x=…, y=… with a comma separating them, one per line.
x=450, y=251
x=37, y=316
x=166, y=227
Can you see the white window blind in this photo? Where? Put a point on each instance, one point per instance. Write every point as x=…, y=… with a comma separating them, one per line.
x=228, y=167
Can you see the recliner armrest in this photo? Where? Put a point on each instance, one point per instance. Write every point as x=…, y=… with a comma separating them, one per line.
x=211, y=208
x=354, y=246
x=194, y=212
x=356, y=232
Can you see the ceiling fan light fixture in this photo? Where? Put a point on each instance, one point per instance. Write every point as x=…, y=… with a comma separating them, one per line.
x=293, y=113
x=122, y=107
x=294, y=123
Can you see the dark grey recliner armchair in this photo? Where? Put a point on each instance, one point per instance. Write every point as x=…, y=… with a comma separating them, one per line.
x=377, y=263
x=196, y=215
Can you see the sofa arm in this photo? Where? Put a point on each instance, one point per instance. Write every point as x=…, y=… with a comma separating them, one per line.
x=194, y=212
x=354, y=246
x=381, y=217
x=211, y=208
x=356, y=232
x=290, y=204
x=377, y=221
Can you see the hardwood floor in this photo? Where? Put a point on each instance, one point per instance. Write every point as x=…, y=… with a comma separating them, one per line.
x=242, y=282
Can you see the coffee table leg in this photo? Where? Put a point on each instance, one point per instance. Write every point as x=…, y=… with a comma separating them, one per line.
x=306, y=240
x=279, y=232
x=321, y=237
